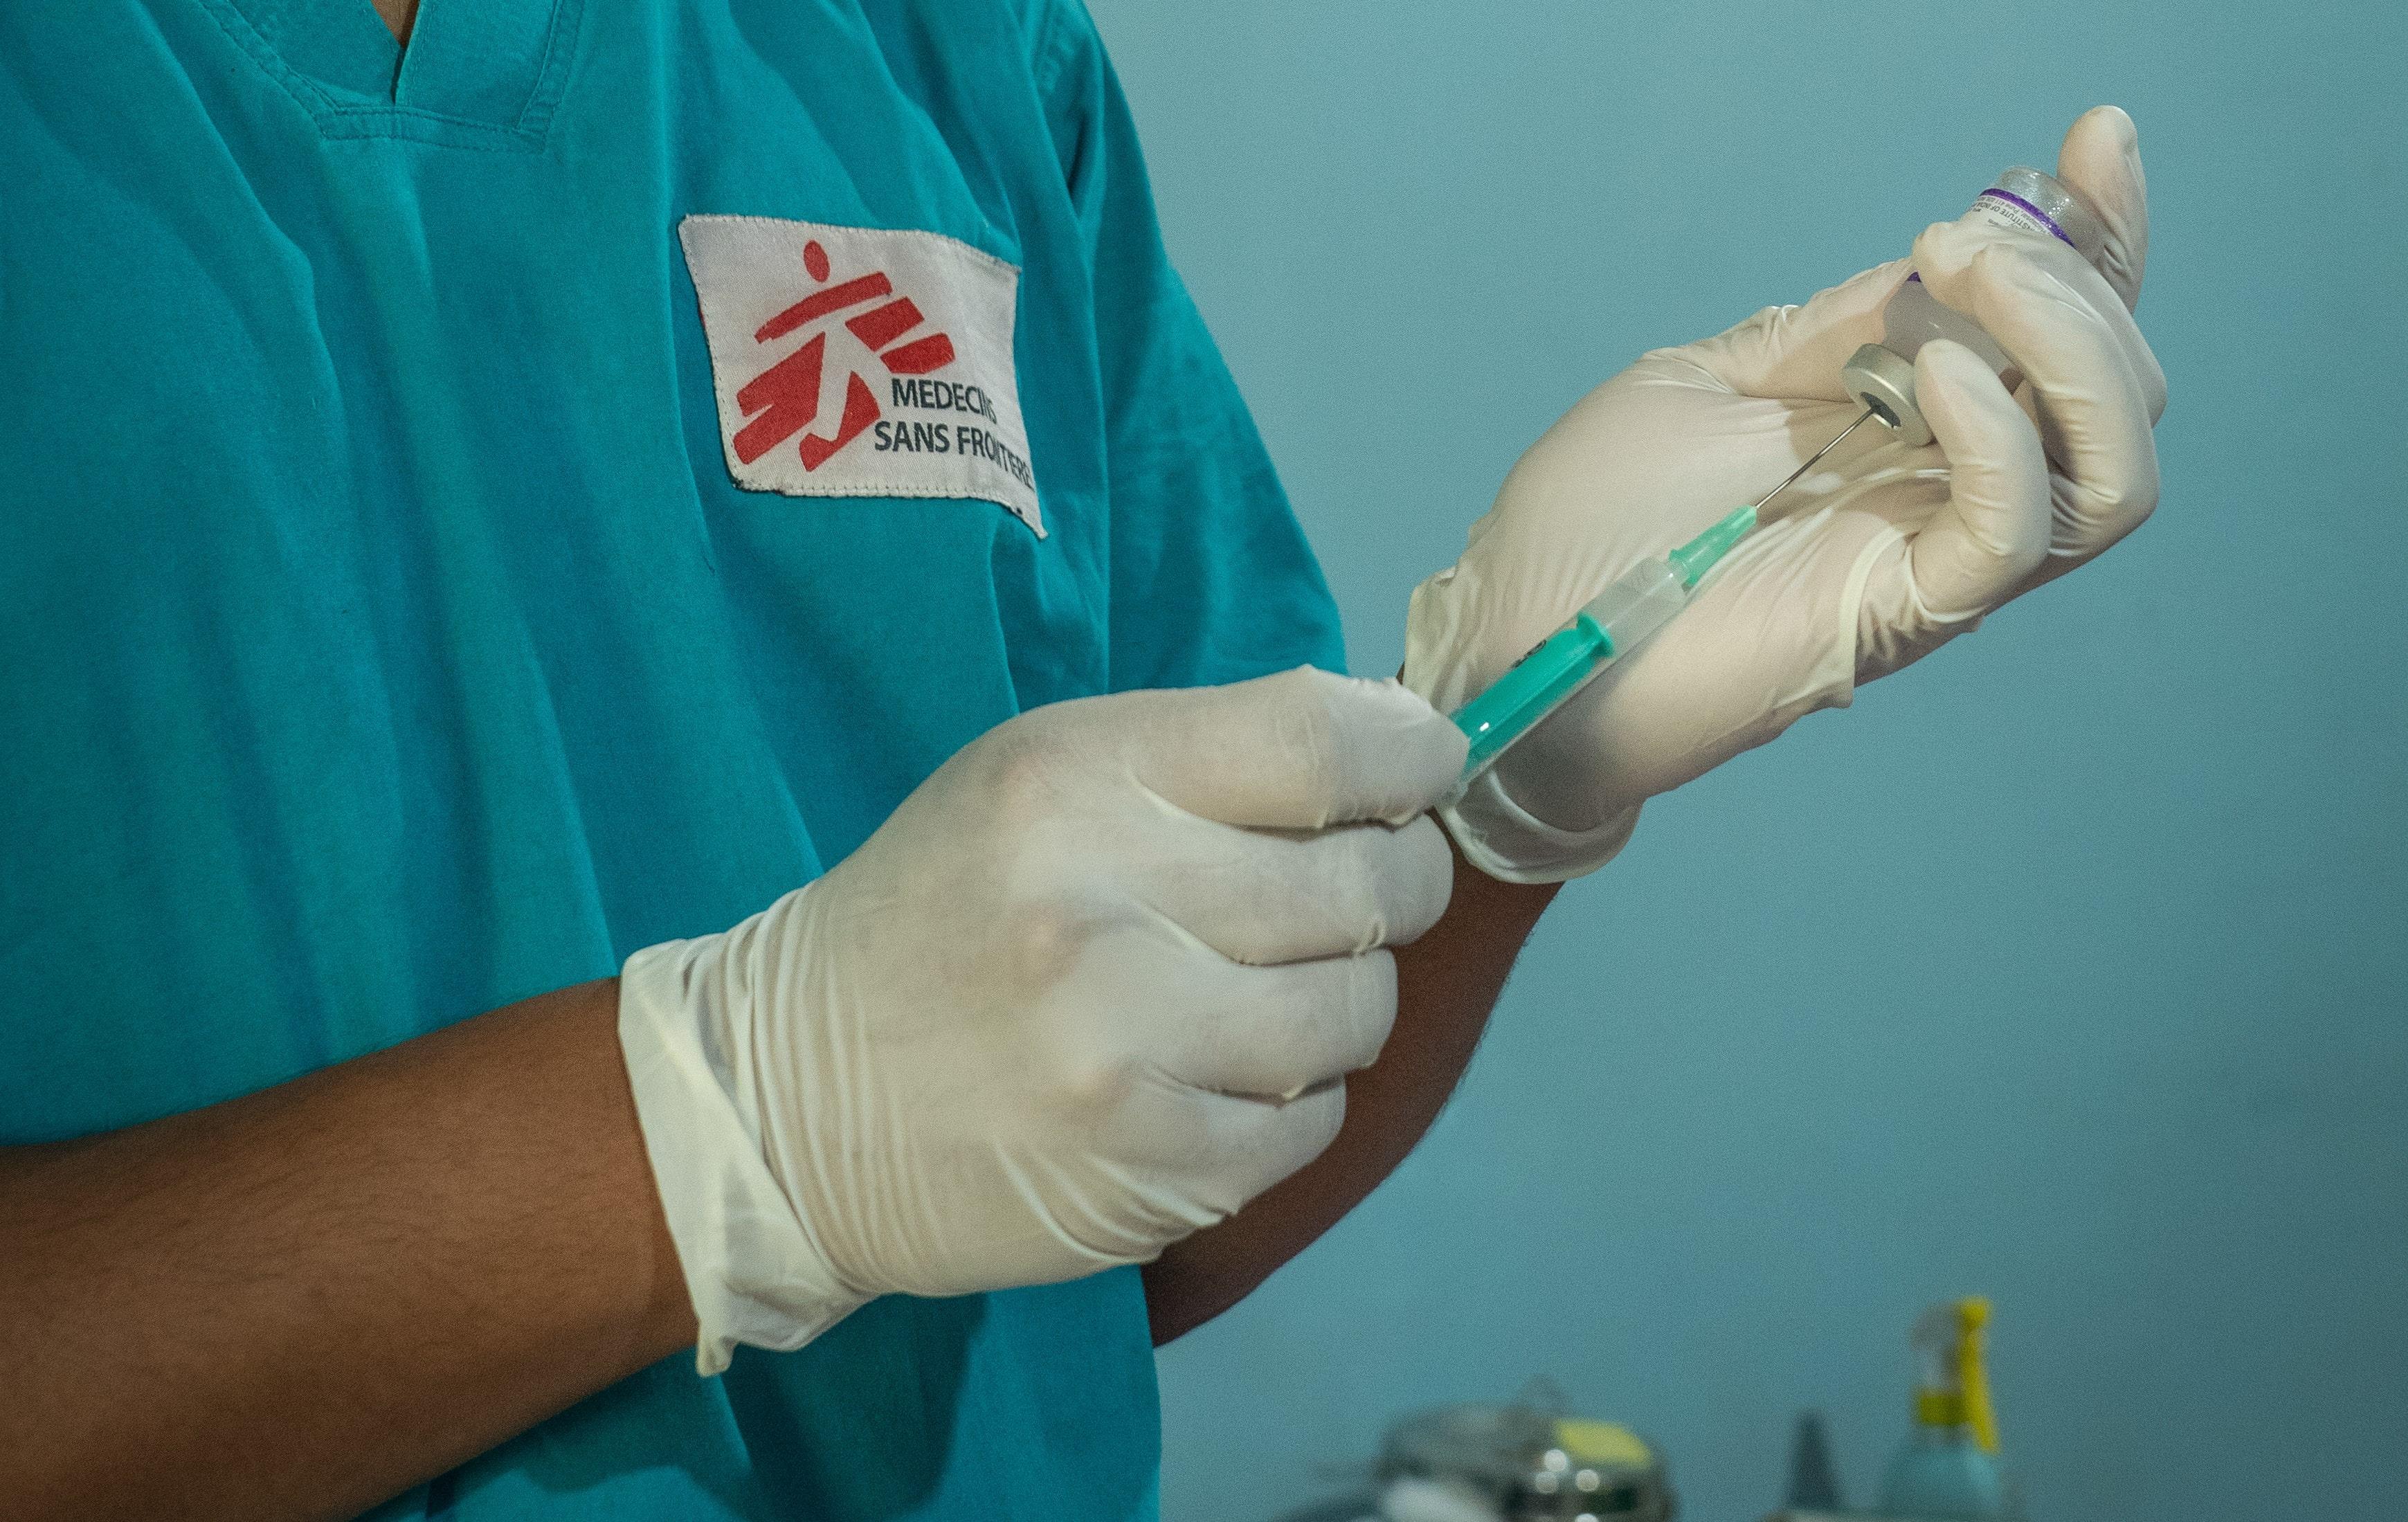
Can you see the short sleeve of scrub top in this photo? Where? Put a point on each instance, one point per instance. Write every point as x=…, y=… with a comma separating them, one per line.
x=400, y=619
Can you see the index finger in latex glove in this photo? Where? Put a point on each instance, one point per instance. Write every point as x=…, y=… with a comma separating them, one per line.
x=1214, y=1024
x=1196, y=1155
x=1301, y=750
x=1946, y=248
x=1278, y=1031
x=1266, y=896
x=2095, y=407
x=1225, y=1148
x=2102, y=159
x=1796, y=352
x=1993, y=531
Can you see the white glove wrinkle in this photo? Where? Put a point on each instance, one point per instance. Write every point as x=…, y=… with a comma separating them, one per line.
x=714, y=1184
x=1058, y=1197
x=1513, y=845
x=1172, y=1215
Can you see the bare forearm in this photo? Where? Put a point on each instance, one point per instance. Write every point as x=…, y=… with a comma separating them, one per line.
x=1446, y=984
x=296, y=1303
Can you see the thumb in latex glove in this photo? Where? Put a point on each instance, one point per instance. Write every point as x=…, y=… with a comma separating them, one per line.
x=1091, y=987
x=1853, y=575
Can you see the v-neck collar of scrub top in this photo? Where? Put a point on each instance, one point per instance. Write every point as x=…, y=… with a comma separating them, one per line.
x=476, y=74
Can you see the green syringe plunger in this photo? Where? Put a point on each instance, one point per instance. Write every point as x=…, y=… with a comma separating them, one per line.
x=1637, y=605
x=1638, y=602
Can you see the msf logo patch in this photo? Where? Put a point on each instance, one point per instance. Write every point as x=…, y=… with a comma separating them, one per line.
x=784, y=399
x=861, y=362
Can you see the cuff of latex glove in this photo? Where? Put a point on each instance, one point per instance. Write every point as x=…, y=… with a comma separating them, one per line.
x=1511, y=844
x=751, y=1267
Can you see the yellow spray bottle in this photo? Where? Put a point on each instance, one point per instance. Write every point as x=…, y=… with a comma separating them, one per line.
x=1948, y=1470
x=1973, y=1316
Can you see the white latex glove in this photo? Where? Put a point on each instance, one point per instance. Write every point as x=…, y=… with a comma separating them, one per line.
x=1089, y=989
x=1859, y=571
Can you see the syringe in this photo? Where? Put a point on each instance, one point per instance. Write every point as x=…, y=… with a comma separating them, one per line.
x=1880, y=376
x=1608, y=628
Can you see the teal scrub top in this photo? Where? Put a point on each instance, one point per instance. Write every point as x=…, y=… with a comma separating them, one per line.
x=388, y=637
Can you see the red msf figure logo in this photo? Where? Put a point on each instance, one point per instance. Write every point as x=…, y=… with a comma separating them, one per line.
x=787, y=394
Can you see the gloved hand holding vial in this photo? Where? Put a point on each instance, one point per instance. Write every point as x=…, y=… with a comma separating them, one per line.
x=1952, y=501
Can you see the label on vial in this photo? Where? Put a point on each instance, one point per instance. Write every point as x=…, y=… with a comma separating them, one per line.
x=2005, y=208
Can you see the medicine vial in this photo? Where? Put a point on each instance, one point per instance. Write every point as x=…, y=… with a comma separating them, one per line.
x=1882, y=375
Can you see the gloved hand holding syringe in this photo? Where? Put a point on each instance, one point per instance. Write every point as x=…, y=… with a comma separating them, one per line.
x=2023, y=203
x=1640, y=602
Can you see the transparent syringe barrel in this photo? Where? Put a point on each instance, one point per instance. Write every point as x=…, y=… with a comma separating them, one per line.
x=1607, y=626
x=1640, y=602
x=1882, y=376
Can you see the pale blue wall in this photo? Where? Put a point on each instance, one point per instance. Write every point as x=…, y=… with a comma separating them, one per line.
x=2069, y=967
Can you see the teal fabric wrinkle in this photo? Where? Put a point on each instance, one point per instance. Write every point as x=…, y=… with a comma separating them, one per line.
x=480, y=63
x=485, y=79
x=340, y=43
